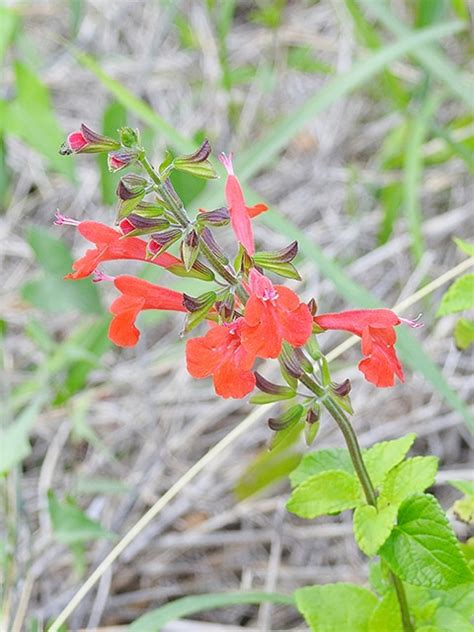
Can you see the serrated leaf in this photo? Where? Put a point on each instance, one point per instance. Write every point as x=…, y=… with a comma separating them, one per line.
x=321, y=461
x=336, y=607
x=459, y=297
x=381, y=457
x=464, y=333
x=409, y=477
x=422, y=549
x=465, y=246
x=70, y=523
x=327, y=492
x=386, y=616
x=373, y=526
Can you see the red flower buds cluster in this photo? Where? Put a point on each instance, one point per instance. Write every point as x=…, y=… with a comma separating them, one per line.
x=248, y=316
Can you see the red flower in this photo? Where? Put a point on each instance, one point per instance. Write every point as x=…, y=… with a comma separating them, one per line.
x=111, y=245
x=220, y=353
x=138, y=295
x=87, y=141
x=376, y=328
x=273, y=314
x=121, y=158
x=240, y=213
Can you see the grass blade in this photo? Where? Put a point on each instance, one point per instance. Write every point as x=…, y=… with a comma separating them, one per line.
x=413, y=173
x=155, y=620
x=432, y=59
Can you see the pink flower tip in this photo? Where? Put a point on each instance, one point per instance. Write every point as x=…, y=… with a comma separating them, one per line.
x=63, y=219
x=226, y=160
x=98, y=277
x=414, y=324
x=76, y=141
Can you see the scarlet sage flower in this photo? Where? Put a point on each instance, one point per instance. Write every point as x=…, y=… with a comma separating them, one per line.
x=376, y=328
x=273, y=313
x=110, y=245
x=240, y=213
x=220, y=353
x=138, y=295
x=86, y=141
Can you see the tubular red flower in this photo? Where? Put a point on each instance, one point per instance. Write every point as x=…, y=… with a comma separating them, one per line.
x=220, y=353
x=87, y=141
x=273, y=313
x=376, y=329
x=111, y=245
x=240, y=213
x=138, y=295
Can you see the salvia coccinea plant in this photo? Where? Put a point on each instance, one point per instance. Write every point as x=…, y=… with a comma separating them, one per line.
x=421, y=578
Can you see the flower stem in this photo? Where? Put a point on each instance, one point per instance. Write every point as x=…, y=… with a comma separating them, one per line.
x=356, y=456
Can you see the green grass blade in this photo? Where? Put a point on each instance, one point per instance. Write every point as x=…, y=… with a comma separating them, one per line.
x=263, y=151
x=432, y=59
x=413, y=173
x=155, y=620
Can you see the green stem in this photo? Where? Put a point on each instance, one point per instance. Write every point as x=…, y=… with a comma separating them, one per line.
x=359, y=466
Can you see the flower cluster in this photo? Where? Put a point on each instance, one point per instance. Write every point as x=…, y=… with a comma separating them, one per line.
x=248, y=316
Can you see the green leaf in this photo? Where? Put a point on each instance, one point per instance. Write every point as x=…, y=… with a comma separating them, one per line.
x=459, y=297
x=386, y=617
x=391, y=197
x=321, y=461
x=336, y=607
x=324, y=493
x=409, y=477
x=31, y=117
x=465, y=246
x=448, y=620
x=155, y=620
x=381, y=457
x=50, y=252
x=422, y=549
x=464, y=333
x=373, y=526
x=14, y=444
x=70, y=523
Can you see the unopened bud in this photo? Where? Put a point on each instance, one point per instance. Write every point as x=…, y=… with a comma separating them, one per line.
x=162, y=241
x=313, y=307
x=190, y=249
x=305, y=364
x=225, y=307
x=287, y=419
x=121, y=158
x=342, y=389
x=86, y=141
x=133, y=225
x=130, y=186
x=197, y=163
x=217, y=217
x=129, y=137
x=199, y=309
x=211, y=243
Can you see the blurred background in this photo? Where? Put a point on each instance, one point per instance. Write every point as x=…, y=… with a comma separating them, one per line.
x=360, y=139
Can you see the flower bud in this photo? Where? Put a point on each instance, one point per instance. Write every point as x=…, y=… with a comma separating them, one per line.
x=130, y=191
x=270, y=388
x=305, y=364
x=211, y=243
x=217, y=217
x=342, y=389
x=121, y=158
x=197, y=163
x=287, y=419
x=289, y=361
x=279, y=261
x=134, y=225
x=199, y=309
x=162, y=241
x=190, y=249
x=129, y=137
x=225, y=307
x=86, y=141
x=313, y=307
